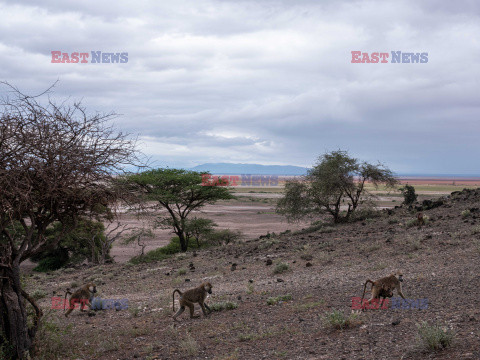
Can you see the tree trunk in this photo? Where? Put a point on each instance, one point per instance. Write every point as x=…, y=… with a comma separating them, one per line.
x=15, y=337
x=183, y=241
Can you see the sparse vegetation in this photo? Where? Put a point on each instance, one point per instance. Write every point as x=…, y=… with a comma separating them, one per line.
x=281, y=298
x=225, y=305
x=476, y=230
x=414, y=222
x=280, y=268
x=434, y=337
x=181, y=272
x=162, y=253
x=466, y=213
x=135, y=311
x=188, y=345
x=55, y=340
x=38, y=294
x=310, y=305
x=336, y=319
x=222, y=237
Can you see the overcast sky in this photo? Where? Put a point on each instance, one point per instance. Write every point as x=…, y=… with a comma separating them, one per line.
x=268, y=82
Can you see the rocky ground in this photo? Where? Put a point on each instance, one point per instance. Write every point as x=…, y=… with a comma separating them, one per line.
x=326, y=268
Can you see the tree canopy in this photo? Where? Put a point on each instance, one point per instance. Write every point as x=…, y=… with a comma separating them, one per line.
x=57, y=163
x=179, y=192
x=335, y=178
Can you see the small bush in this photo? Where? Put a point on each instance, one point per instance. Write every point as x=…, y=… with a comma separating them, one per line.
x=466, y=213
x=135, y=311
x=337, y=320
x=280, y=268
x=409, y=196
x=312, y=228
x=368, y=214
x=38, y=294
x=476, y=230
x=181, y=271
x=222, y=237
x=434, y=337
x=414, y=222
x=51, y=341
x=189, y=345
x=162, y=253
x=277, y=299
x=226, y=305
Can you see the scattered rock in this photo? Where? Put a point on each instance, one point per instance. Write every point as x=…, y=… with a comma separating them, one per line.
x=308, y=264
x=396, y=322
x=269, y=262
x=250, y=281
x=187, y=280
x=280, y=280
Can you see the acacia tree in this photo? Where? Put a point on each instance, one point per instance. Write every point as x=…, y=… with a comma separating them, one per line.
x=336, y=178
x=56, y=163
x=179, y=192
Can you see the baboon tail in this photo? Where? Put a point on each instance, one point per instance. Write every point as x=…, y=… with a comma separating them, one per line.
x=173, y=298
x=365, y=288
x=65, y=300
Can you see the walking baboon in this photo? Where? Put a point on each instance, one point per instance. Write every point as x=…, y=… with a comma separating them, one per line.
x=82, y=296
x=192, y=296
x=383, y=288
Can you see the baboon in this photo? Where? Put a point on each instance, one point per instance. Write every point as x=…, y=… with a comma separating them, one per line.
x=383, y=288
x=420, y=219
x=82, y=296
x=192, y=296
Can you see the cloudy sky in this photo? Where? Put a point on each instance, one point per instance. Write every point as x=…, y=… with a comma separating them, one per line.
x=266, y=81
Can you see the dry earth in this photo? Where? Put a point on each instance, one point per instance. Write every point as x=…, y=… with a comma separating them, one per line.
x=440, y=261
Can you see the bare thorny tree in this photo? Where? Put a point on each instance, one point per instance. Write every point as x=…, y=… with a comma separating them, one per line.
x=56, y=163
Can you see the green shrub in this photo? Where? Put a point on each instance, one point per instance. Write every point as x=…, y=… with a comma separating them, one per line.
x=409, y=196
x=434, y=337
x=367, y=213
x=226, y=305
x=163, y=252
x=476, y=230
x=73, y=248
x=414, y=222
x=466, y=213
x=188, y=345
x=38, y=294
x=337, y=320
x=280, y=268
x=222, y=237
x=277, y=299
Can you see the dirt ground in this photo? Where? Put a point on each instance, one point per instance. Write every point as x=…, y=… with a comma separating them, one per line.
x=440, y=261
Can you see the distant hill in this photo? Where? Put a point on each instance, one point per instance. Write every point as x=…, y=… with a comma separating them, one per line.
x=253, y=169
